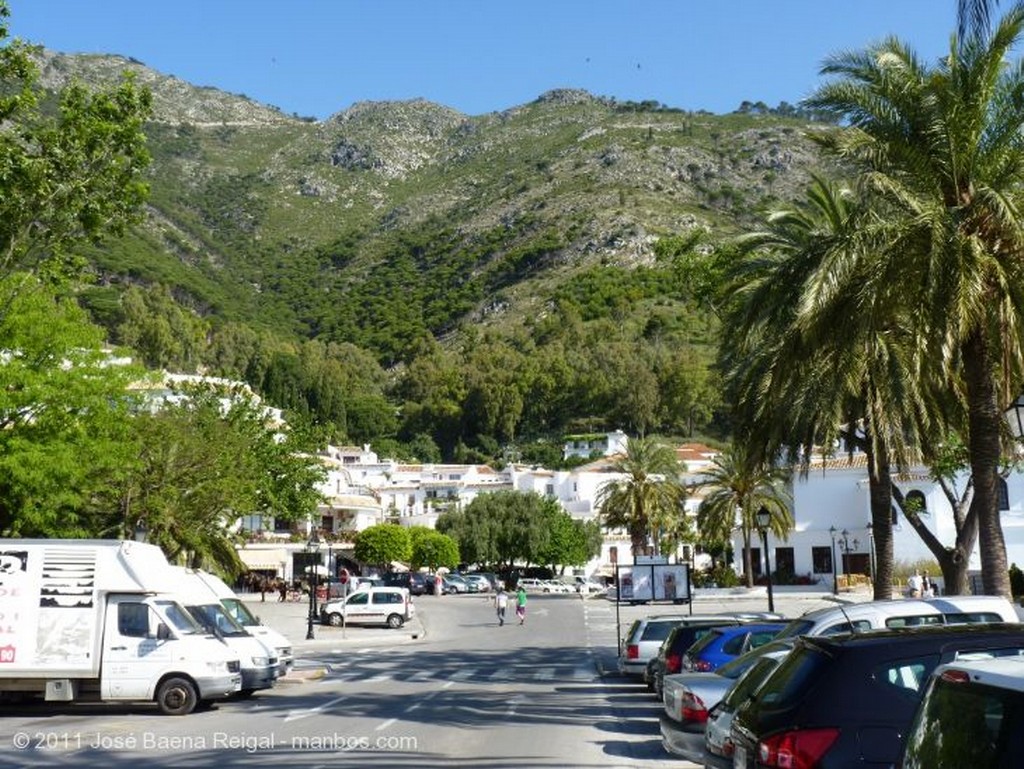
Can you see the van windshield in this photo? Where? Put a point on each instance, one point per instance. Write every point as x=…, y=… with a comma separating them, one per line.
x=179, y=619
x=239, y=612
x=215, y=620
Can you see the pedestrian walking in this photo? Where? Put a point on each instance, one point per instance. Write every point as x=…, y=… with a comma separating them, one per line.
x=521, y=604
x=500, y=604
x=927, y=586
x=263, y=589
x=282, y=589
x=915, y=584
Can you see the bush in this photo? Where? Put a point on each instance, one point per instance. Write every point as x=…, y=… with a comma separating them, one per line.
x=719, y=576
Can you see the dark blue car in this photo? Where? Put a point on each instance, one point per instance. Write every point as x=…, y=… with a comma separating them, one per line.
x=722, y=644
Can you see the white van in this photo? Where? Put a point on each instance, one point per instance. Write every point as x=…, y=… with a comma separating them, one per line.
x=902, y=612
x=95, y=623
x=391, y=606
x=259, y=661
x=240, y=613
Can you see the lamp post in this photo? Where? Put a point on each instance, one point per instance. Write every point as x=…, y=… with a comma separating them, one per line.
x=1014, y=414
x=847, y=548
x=835, y=573
x=312, y=548
x=141, y=532
x=764, y=519
x=871, y=551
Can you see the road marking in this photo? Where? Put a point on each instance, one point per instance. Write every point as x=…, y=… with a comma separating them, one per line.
x=294, y=715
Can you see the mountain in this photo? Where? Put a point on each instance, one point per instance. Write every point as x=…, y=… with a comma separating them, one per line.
x=394, y=222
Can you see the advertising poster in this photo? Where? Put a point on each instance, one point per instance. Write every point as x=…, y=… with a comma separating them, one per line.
x=644, y=582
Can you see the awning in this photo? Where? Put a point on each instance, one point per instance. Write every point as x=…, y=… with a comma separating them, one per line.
x=274, y=558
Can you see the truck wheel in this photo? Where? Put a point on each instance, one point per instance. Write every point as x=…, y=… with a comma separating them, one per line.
x=176, y=697
x=335, y=620
x=395, y=621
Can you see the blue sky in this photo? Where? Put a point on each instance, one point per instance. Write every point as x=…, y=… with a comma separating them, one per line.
x=318, y=57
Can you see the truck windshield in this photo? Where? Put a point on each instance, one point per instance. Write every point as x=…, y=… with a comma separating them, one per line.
x=178, y=618
x=239, y=612
x=213, y=617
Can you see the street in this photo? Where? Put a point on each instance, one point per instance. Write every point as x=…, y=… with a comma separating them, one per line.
x=465, y=692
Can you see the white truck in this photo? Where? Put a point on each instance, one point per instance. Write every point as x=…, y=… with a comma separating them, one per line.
x=244, y=617
x=258, y=660
x=94, y=620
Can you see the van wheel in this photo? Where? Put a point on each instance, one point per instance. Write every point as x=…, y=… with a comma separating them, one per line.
x=335, y=620
x=176, y=697
x=395, y=621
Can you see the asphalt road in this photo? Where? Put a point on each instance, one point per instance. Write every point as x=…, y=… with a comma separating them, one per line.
x=451, y=690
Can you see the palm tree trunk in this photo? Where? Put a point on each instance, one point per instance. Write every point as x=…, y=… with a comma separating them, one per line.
x=984, y=425
x=880, y=495
x=748, y=561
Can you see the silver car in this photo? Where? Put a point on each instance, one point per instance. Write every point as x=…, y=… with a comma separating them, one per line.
x=689, y=697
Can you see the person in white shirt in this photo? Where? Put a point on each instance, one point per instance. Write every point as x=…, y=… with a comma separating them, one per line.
x=501, y=603
x=915, y=585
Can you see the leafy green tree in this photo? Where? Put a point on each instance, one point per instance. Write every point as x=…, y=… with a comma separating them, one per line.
x=65, y=417
x=571, y=541
x=737, y=486
x=207, y=460
x=432, y=549
x=69, y=175
x=382, y=544
x=941, y=147
x=501, y=528
x=648, y=498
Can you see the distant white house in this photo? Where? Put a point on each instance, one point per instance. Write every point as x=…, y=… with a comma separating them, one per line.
x=595, y=445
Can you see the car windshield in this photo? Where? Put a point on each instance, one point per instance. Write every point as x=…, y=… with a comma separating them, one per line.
x=792, y=677
x=748, y=683
x=796, y=627
x=967, y=724
x=213, y=617
x=179, y=619
x=703, y=643
x=658, y=631
x=239, y=612
x=734, y=668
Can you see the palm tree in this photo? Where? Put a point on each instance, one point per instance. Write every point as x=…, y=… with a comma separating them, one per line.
x=942, y=148
x=737, y=488
x=648, y=500
x=811, y=360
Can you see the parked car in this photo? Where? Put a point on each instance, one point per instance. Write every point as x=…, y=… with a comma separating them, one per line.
x=725, y=643
x=589, y=586
x=531, y=584
x=413, y=581
x=679, y=640
x=718, y=745
x=642, y=640
x=454, y=583
x=970, y=715
x=391, y=606
x=491, y=577
x=903, y=612
x=848, y=700
x=477, y=583
x=688, y=698
x=554, y=586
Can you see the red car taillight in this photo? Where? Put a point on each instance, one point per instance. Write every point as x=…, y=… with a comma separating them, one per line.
x=691, y=708
x=632, y=652
x=673, y=663
x=798, y=749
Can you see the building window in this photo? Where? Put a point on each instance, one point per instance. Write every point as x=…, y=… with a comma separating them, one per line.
x=915, y=501
x=821, y=557
x=550, y=489
x=1004, y=495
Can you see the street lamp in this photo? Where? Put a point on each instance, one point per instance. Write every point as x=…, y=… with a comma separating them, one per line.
x=835, y=574
x=1014, y=414
x=141, y=532
x=764, y=519
x=312, y=548
x=871, y=550
x=847, y=548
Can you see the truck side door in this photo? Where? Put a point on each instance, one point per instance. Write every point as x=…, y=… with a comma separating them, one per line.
x=133, y=656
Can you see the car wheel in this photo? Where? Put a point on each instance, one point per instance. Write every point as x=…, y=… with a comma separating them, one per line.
x=176, y=697
x=335, y=620
x=395, y=621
